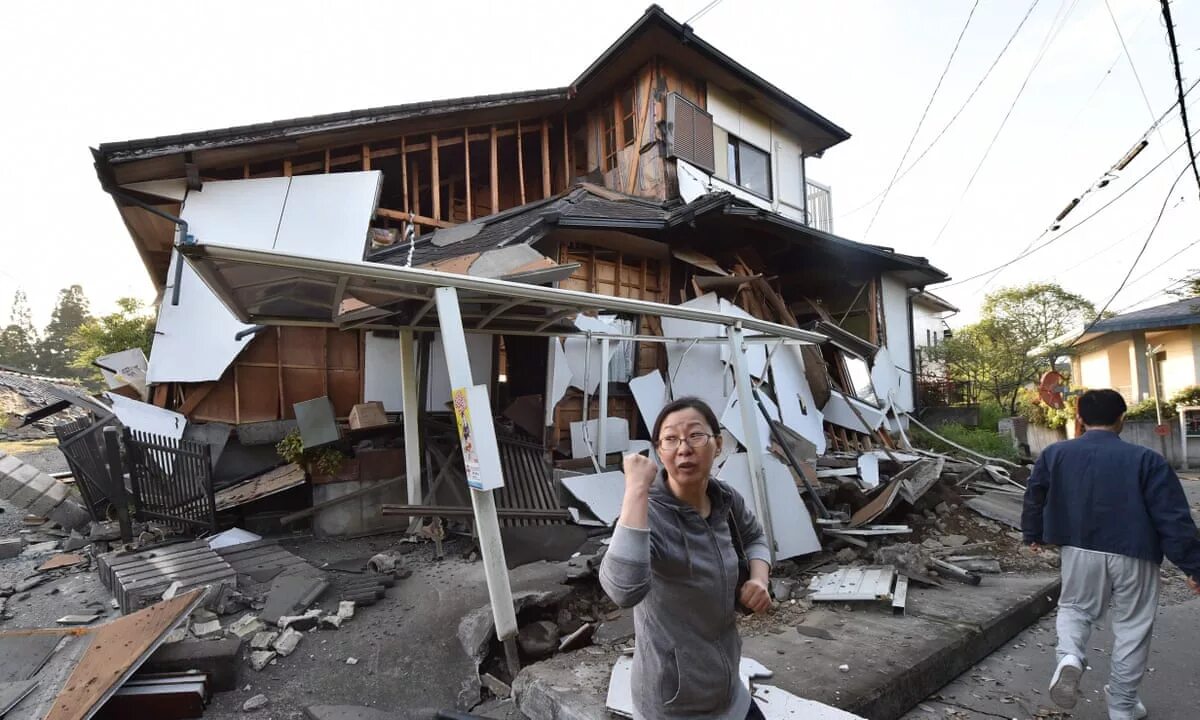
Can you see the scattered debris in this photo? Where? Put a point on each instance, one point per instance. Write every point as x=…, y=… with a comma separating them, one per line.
x=259, y=659
x=255, y=703
x=287, y=642
x=78, y=619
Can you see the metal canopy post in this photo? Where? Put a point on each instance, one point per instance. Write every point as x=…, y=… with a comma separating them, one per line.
x=602, y=423
x=483, y=502
x=412, y=427
x=754, y=445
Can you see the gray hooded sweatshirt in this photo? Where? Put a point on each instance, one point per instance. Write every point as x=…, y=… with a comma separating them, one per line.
x=679, y=576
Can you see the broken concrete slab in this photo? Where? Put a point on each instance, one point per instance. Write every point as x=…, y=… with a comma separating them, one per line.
x=246, y=626
x=292, y=594
x=538, y=640
x=287, y=642
x=616, y=630
x=206, y=629
x=998, y=506
x=255, y=703
x=307, y=621
x=11, y=547
x=263, y=640
x=259, y=659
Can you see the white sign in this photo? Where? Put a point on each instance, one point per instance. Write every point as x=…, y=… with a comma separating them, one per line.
x=477, y=437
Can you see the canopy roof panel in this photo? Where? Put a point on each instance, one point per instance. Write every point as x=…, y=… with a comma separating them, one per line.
x=267, y=287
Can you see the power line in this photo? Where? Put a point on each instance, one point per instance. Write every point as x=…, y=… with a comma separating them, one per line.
x=924, y=114
x=702, y=11
x=953, y=118
x=1032, y=250
x=1145, y=244
x=1050, y=37
x=1187, y=132
x=1129, y=59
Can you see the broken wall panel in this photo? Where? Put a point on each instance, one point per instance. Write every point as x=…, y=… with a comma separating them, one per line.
x=381, y=370
x=797, y=403
x=328, y=215
x=794, y=532
x=479, y=351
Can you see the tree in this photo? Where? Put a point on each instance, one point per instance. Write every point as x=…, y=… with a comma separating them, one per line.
x=19, y=340
x=1013, y=342
x=1186, y=287
x=131, y=326
x=54, y=351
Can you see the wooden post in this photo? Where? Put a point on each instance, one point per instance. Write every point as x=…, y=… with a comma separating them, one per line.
x=328, y=160
x=287, y=168
x=545, y=157
x=495, y=178
x=404, y=171
x=566, y=154
x=416, y=173
x=467, y=163
x=520, y=163
x=435, y=181
x=366, y=157
x=872, y=313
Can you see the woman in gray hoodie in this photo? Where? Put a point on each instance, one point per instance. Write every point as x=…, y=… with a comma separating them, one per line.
x=672, y=558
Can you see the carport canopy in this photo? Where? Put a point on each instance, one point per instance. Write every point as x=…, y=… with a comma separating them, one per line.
x=267, y=287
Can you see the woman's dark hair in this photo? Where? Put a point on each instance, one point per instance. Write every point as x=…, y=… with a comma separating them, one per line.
x=685, y=403
x=1101, y=408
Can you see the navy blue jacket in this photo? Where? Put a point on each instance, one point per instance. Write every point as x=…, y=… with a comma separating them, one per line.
x=1098, y=492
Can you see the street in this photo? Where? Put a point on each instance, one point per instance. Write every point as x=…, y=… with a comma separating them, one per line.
x=1012, y=682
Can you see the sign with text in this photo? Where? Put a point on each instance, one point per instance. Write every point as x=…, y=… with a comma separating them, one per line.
x=477, y=437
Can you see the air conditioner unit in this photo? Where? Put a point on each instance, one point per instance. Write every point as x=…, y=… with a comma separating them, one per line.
x=690, y=133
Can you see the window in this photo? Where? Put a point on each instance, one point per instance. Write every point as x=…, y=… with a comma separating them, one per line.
x=608, y=135
x=626, y=108
x=749, y=167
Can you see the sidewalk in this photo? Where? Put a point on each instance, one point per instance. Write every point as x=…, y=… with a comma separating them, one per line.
x=894, y=662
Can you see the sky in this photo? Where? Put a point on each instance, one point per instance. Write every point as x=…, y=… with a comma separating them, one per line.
x=82, y=73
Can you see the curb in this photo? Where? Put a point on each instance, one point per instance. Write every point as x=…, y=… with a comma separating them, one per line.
x=905, y=691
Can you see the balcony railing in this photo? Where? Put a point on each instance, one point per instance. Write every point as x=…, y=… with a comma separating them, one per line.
x=819, y=205
x=942, y=392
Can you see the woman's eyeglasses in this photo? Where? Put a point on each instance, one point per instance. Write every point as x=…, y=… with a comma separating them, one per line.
x=671, y=443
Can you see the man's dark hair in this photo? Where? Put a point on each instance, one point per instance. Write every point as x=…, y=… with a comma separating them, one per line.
x=685, y=403
x=1101, y=408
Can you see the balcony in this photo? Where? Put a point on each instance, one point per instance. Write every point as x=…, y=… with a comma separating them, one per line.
x=819, y=206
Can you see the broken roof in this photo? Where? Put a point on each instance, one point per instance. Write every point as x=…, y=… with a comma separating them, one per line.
x=587, y=206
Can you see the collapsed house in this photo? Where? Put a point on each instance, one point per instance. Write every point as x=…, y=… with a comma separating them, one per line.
x=665, y=173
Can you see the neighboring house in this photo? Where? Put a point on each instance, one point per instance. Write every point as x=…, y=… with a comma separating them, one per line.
x=662, y=170
x=929, y=313
x=1128, y=352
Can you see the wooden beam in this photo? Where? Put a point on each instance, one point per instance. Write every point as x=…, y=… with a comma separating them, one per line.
x=635, y=161
x=435, y=181
x=520, y=163
x=872, y=318
x=418, y=219
x=366, y=157
x=194, y=397
x=467, y=165
x=160, y=395
x=566, y=154
x=404, y=172
x=287, y=168
x=416, y=173
x=495, y=179
x=327, y=158
x=545, y=157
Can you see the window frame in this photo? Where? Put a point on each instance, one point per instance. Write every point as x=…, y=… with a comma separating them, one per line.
x=733, y=153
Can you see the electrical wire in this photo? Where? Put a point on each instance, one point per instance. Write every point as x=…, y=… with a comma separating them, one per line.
x=953, y=118
x=1187, y=132
x=1142, y=251
x=1035, y=248
x=1051, y=35
x=924, y=114
x=1129, y=59
x=702, y=11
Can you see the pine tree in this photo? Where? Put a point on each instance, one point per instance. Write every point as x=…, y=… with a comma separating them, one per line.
x=19, y=340
x=54, y=353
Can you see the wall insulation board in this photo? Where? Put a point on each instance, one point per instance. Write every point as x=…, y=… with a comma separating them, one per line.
x=794, y=533
x=382, y=380
x=479, y=350
x=327, y=216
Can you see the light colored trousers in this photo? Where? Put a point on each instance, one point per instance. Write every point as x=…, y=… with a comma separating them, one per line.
x=1090, y=581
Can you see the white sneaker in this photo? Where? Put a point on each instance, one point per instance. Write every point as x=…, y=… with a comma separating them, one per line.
x=1139, y=710
x=1064, y=686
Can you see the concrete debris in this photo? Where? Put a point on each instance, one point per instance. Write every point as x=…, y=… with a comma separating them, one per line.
x=11, y=547
x=307, y=621
x=287, y=642
x=78, y=619
x=201, y=615
x=29, y=583
x=255, y=703
x=538, y=639
x=389, y=563
x=846, y=555
x=331, y=621
x=206, y=629
x=41, y=548
x=615, y=630
x=246, y=625
x=954, y=541
x=844, y=668
x=783, y=588
x=179, y=634
x=345, y=609
x=263, y=640
x=261, y=658
x=171, y=590
x=351, y=661
x=495, y=685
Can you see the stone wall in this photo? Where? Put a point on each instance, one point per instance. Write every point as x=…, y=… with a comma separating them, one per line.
x=39, y=494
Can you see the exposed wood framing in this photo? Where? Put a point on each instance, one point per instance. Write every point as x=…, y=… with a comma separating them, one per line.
x=545, y=158
x=418, y=219
x=872, y=308
x=494, y=180
x=435, y=182
x=520, y=163
x=566, y=153
x=404, y=172
x=366, y=157
x=636, y=160
x=467, y=166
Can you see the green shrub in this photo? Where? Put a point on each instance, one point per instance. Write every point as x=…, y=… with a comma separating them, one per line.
x=981, y=440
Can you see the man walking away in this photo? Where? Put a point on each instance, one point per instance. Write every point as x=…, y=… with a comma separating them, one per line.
x=1115, y=508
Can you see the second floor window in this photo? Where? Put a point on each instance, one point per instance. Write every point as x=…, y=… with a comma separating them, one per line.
x=618, y=126
x=749, y=167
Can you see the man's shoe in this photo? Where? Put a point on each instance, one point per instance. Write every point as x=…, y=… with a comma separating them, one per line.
x=1064, y=686
x=1139, y=710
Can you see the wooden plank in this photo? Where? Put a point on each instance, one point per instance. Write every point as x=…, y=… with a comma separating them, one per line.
x=520, y=163
x=467, y=165
x=327, y=161
x=194, y=397
x=495, y=175
x=366, y=157
x=637, y=144
x=160, y=395
x=416, y=173
x=545, y=157
x=116, y=650
x=435, y=179
x=287, y=168
x=872, y=315
x=404, y=172
x=566, y=153
x=416, y=217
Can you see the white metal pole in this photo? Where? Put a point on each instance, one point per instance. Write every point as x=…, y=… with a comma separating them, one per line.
x=487, y=525
x=602, y=424
x=754, y=446
x=412, y=431
x=1183, y=438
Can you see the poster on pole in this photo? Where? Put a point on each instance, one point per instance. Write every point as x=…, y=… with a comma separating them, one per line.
x=477, y=437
